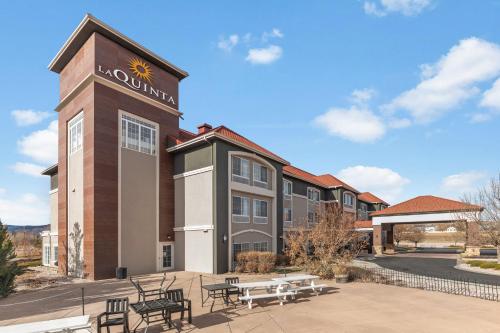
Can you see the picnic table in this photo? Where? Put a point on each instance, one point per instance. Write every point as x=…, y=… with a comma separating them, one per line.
x=71, y=324
x=153, y=308
x=280, y=292
x=302, y=282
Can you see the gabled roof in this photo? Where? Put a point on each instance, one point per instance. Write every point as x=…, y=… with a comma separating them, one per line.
x=427, y=204
x=228, y=135
x=87, y=27
x=303, y=175
x=370, y=198
x=333, y=182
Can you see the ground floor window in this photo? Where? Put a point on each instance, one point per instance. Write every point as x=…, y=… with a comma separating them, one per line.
x=167, y=256
x=260, y=247
x=240, y=247
x=46, y=255
x=55, y=255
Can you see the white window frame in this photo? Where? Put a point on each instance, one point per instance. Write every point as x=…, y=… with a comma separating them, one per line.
x=260, y=244
x=247, y=177
x=257, y=171
x=46, y=256
x=75, y=133
x=291, y=215
x=286, y=195
x=172, y=256
x=239, y=215
x=53, y=254
x=142, y=126
x=241, y=246
x=315, y=193
x=258, y=219
x=353, y=198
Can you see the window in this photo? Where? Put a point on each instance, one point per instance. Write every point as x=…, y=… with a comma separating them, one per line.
x=287, y=215
x=349, y=200
x=138, y=135
x=167, y=256
x=260, y=211
x=76, y=133
x=238, y=248
x=311, y=217
x=46, y=255
x=259, y=173
x=55, y=255
x=287, y=188
x=363, y=207
x=241, y=209
x=241, y=168
x=313, y=194
x=260, y=246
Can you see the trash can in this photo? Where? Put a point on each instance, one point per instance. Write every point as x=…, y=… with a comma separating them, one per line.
x=121, y=273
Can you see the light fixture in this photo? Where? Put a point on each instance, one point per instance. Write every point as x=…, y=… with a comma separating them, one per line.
x=224, y=238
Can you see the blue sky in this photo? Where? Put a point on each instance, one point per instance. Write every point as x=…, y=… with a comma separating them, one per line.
x=397, y=97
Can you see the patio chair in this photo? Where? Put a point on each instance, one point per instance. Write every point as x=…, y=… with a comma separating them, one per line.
x=144, y=294
x=234, y=291
x=183, y=304
x=116, y=314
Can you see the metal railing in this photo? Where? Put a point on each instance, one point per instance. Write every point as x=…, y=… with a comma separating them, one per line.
x=455, y=286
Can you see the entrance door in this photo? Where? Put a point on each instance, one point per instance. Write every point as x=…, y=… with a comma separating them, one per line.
x=166, y=257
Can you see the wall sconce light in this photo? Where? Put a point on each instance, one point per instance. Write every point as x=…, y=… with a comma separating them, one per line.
x=224, y=238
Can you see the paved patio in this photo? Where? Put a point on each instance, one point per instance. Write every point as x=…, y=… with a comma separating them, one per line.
x=353, y=307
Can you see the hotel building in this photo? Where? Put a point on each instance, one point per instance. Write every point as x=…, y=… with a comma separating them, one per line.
x=132, y=189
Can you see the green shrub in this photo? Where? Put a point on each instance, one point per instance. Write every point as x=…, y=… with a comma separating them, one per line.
x=8, y=267
x=484, y=264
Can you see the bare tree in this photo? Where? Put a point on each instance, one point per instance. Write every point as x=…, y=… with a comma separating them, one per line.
x=415, y=234
x=329, y=246
x=400, y=233
x=488, y=197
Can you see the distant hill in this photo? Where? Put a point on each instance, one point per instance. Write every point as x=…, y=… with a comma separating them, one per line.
x=35, y=229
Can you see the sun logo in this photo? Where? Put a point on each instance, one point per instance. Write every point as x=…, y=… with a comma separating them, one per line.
x=141, y=69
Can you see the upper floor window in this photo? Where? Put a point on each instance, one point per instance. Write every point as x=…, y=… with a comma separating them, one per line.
x=260, y=173
x=349, y=200
x=287, y=215
x=260, y=211
x=241, y=206
x=241, y=168
x=287, y=188
x=363, y=206
x=138, y=135
x=313, y=194
x=76, y=133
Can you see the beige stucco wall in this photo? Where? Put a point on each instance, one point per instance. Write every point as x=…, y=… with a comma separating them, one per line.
x=252, y=237
x=194, y=210
x=75, y=211
x=138, y=212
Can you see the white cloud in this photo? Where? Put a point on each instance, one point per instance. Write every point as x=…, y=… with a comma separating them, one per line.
x=229, y=43
x=405, y=7
x=28, y=169
x=29, y=117
x=450, y=81
x=491, y=101
x=461, y=183
x=264, y=56
x=275, y=33
x=27, y=209
x=383, y=182
x=362, y=96
x=41, y=145
x=399, y=122
x=355, y=124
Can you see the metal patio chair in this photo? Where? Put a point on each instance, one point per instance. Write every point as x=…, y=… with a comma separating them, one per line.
x=116, y=314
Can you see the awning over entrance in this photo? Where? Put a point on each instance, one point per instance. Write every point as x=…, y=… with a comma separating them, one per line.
x=423, y=209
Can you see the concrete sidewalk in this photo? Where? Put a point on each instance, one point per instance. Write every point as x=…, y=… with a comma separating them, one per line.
x=353, y=307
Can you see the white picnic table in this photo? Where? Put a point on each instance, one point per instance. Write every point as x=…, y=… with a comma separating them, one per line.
x=281, y=293
x=303, y=281
x=70, y=324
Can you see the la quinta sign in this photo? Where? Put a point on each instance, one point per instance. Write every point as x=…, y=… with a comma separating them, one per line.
x=142, y=82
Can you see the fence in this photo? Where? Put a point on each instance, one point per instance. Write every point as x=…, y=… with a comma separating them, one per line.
x=456, y=286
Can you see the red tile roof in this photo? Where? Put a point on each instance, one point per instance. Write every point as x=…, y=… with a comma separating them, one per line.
x=230, y=136
x=370, y=198
x=426, y=204
x=363, y=224
x=304, y=175
x=332, y=181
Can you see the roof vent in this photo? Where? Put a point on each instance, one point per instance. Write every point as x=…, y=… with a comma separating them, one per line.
x=204, y=128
